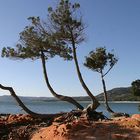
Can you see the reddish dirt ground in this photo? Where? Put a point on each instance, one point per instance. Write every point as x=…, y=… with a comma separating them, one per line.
x=24, y=127
x=116, y=129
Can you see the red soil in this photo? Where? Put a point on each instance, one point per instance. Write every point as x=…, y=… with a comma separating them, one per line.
x=24, y=127
x=117, y=129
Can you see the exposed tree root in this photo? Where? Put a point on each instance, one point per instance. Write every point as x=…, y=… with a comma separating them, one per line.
x=66, y=116
x=27, y=110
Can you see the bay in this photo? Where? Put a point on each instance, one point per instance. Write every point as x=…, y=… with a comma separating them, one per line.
x=60, y=106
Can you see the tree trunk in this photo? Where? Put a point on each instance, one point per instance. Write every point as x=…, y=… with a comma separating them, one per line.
x=95, y=101
x=105, y=95
x=61, y=97
x=27, y=110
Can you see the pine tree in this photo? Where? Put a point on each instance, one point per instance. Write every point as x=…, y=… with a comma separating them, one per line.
x=67, y=27
x=36, y=43
x=97, y=61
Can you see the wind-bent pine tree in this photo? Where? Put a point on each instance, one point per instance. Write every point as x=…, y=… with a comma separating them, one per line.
x=25, y=108
x=36, y=43
x=66, y=25
x=97, y=61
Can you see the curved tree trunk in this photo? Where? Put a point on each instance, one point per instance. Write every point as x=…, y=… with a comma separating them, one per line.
x=61, y=97
x=105, y=95
x=95, y=101
x=27, y=110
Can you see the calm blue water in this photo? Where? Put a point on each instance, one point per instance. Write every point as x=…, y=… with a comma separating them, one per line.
x=59, y=106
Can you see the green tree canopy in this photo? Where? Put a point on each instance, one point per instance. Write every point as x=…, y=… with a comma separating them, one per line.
x=136, y=87
x=100, y=60
x=97, y=61
x=65, y=23
x=34, y=39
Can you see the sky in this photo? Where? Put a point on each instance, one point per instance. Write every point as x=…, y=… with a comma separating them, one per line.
x=114, y=24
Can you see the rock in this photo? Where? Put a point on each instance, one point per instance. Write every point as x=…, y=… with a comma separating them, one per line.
x=119, y=114
x=136, y=116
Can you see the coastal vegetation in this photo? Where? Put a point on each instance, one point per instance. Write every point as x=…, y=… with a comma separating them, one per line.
x=39, y=42
x=136, y=87
x=98, y=61
x=60, y=35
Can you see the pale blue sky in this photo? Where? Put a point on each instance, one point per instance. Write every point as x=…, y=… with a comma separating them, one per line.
x=111, y=23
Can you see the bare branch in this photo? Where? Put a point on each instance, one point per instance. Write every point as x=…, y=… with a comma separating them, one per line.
x=27, y=110
x=108, y=71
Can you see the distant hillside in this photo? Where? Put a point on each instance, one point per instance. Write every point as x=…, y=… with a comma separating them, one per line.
x=116, y=94
x=119, y=94
x=8, y=98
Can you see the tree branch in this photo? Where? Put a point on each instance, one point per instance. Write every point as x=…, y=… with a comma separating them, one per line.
x=27, y=110
x=108, y=71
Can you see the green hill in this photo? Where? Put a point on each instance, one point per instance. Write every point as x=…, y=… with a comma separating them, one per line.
x=116, y=94
x=119, y=94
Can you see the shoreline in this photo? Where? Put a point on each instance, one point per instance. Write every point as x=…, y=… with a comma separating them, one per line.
x=113, y=101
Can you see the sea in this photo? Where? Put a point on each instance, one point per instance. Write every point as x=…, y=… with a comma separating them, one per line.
x=60, y=106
